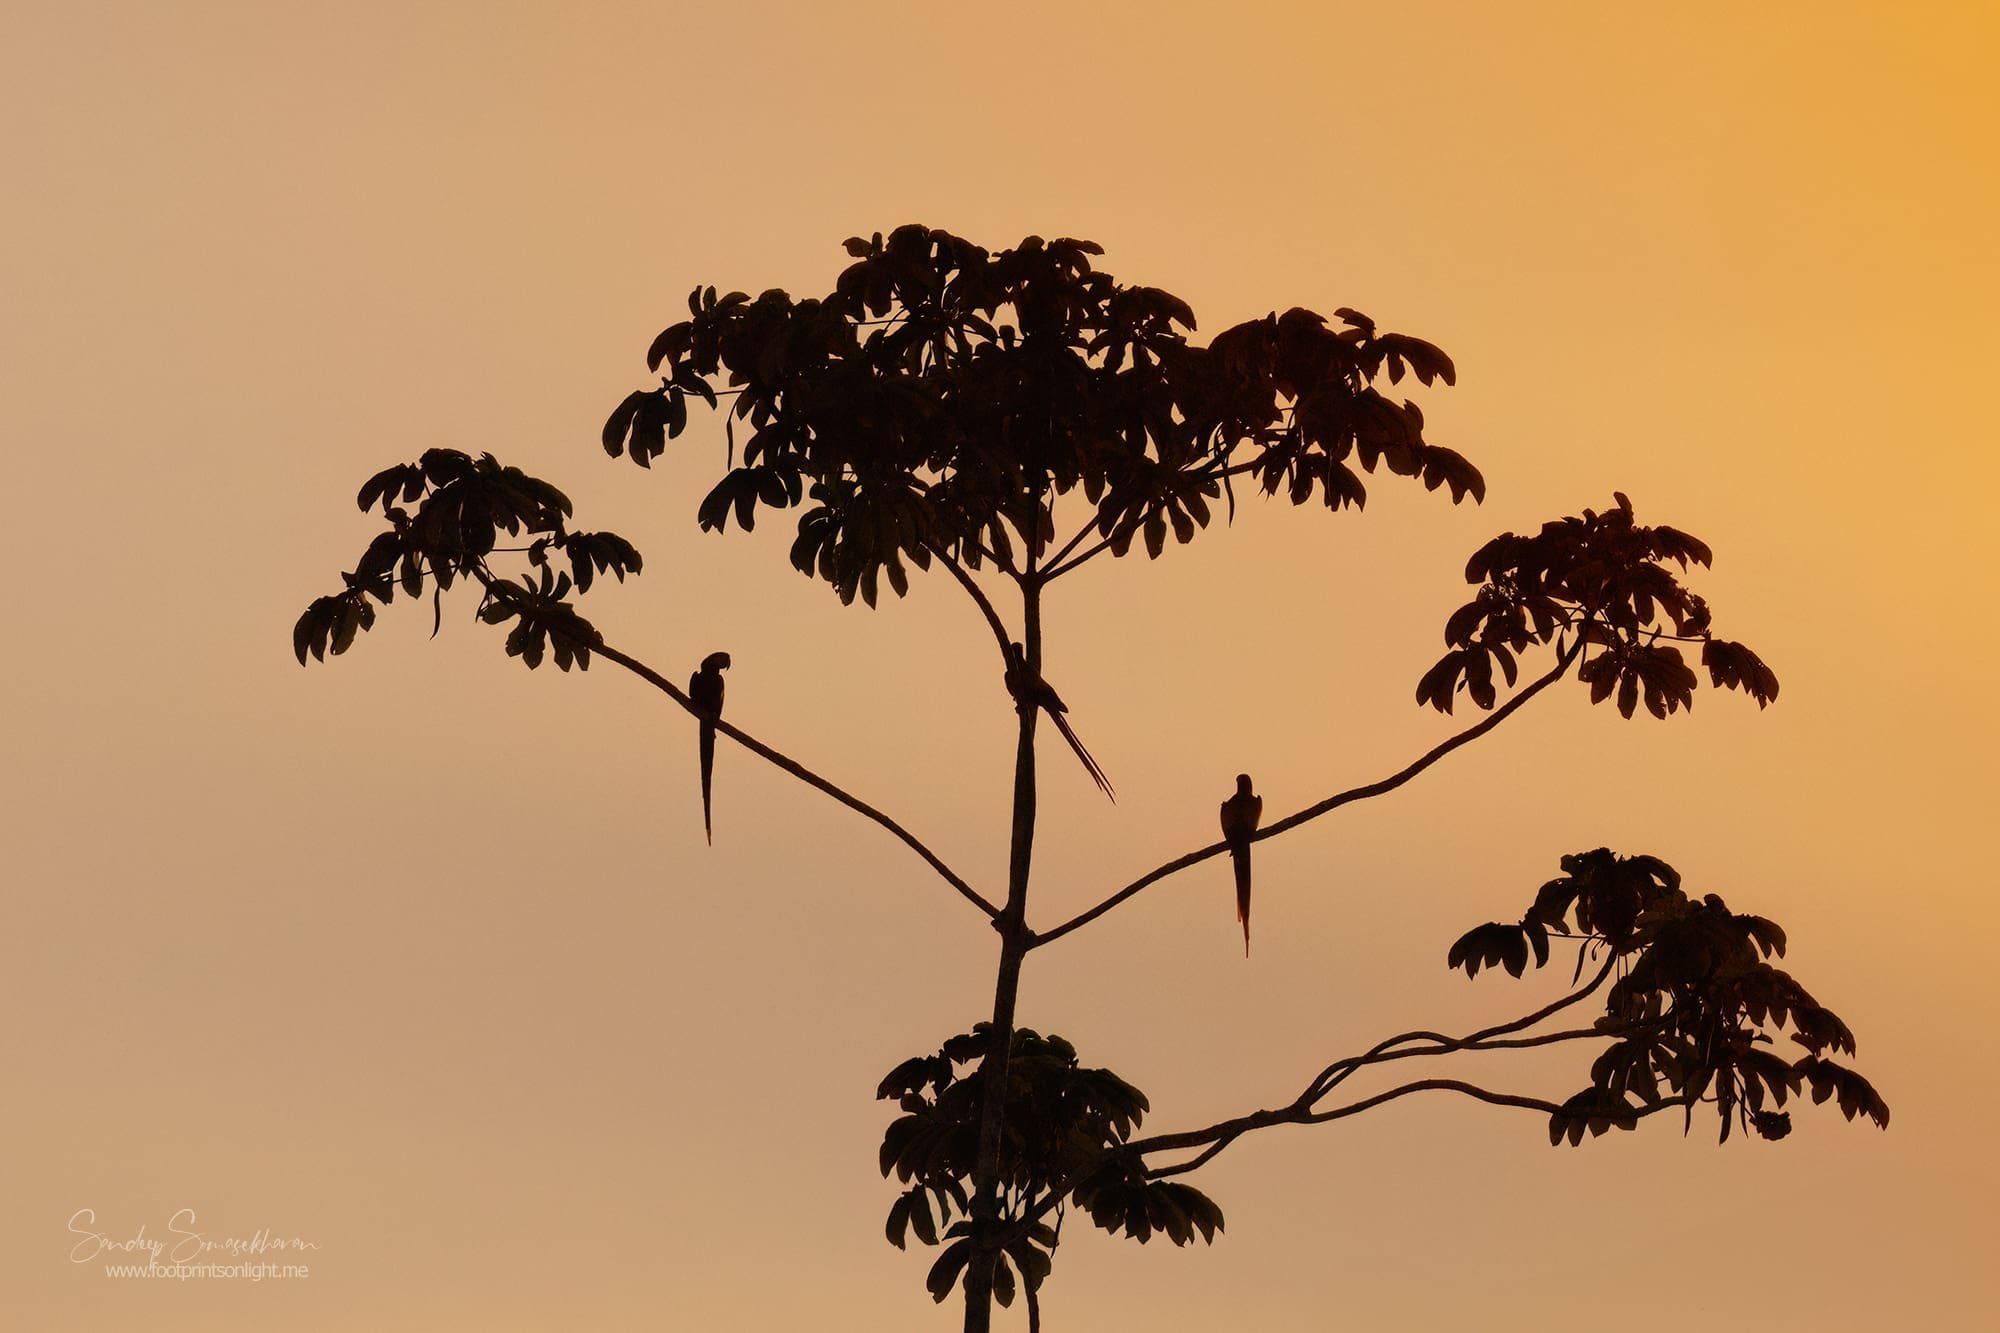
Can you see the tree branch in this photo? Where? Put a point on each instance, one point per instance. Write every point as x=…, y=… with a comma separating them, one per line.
x=1055, y=565
x=1194, y=1163
x=1472, y=1090
x=1478, y=1093
x=1057, y=570
x=1485, y=1039
x=978, y=596
x=1334, y=802
x=1213, y=1139
x=1219, y=1135
x=971, y=539
x=801, y=772
x=1222, y=1132
x=1208, y=472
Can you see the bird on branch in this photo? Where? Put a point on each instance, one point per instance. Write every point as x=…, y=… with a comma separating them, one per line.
x=1240, y=816
x=705, y=689
x=1029, y=690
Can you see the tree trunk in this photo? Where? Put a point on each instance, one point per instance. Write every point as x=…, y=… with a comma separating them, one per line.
x=1006, y=985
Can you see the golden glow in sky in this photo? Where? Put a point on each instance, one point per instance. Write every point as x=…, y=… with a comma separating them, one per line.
x=423, y=959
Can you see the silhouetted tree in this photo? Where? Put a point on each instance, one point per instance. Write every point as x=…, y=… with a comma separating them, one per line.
x=939, y=407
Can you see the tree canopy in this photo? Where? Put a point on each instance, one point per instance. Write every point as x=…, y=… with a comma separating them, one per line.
x=1010, y=416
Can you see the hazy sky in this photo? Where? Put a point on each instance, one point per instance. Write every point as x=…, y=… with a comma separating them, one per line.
x=420, y=957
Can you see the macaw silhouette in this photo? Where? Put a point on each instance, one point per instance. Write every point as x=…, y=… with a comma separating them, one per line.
x=1029, y=688
x=1240, y=814
x=705, y=689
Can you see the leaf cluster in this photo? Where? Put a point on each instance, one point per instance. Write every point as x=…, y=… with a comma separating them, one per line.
x=446, y=513
x=1064, y=1128
x=1609, y=581
x=941, y=397
x=1696, y=1007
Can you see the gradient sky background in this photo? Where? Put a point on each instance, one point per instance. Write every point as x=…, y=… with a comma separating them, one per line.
x=420, y=957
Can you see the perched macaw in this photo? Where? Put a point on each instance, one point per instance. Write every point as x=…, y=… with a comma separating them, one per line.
x=1031, y=689
x=706, y=690
x=1240, y=814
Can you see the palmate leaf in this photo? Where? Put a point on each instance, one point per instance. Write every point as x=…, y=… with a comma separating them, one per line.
x=899, y=1219
x=1123, y=1200
x=1694, y=1006
x=944, y=1273
x=1733, y=666
x=619, y=425
x=1594, y=1111
x=1032, y=1260
x=1854, y=1094
x=329, y=624
x=1003, y=1280
x=405, y=480
x=1008, y=377
x=1065, y=1124
x=1603, y=578
x=1495, y=945
x=1427, y=361
x=463, y=504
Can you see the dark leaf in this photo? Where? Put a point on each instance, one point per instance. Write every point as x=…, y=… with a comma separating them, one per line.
x=899, y=1219
x=944, y=1273
x=619, y=424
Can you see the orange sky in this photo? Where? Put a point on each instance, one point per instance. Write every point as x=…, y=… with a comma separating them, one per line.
x=420, y=957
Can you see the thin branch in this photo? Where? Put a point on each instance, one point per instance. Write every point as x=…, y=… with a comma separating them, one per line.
x=1442, y=1045
x=1055, y=561
x=971, y=539
x=1218, y=1136
x=1004, y=566
x=978, y=596
x=1478, y=1093
x=1485, y=1039
x=1058, y=567
x=1213, y=1139
x=1222, y=1131
x=1193, y=1163
x=1058, y=570
x=1490, y=1038
x=1221, y=1136
x=1472, y=1090
x=1213, y=473
x=1554, y=1006
x=1334, y=802
x=1058, y=1192
x=801, y=772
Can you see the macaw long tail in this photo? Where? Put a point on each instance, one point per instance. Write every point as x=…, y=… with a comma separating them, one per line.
x=707, y=771
x=1241, y=857
x=1096, y=773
